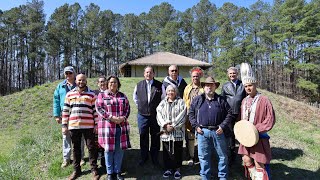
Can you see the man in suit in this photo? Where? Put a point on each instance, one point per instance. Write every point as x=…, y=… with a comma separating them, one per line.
x=147, y=96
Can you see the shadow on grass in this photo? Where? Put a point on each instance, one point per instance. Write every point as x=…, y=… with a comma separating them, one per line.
x=286, y=154
x=281, y=171
x=132, y=170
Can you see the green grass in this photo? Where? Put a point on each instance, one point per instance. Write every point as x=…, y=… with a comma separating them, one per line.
x=31, y=139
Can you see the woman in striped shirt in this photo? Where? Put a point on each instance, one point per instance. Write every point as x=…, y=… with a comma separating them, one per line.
x=171, y=114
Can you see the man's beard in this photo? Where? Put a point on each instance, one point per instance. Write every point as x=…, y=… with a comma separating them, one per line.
x=82, y=86
x=209, y=93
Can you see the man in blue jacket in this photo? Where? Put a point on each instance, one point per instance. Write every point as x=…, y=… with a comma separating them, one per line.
x=58, y=102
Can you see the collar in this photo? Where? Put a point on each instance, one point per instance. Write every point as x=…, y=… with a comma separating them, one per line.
x=213, y=98
x=174, y=80
x=151, y=81
x=194, y=86
x=102, y=90
x=177, y=97
x=111, y=93
x=235, y=82
x=65, y=82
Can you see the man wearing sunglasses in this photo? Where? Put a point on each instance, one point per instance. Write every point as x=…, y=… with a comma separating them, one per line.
x=58, y=102
x=173, y=78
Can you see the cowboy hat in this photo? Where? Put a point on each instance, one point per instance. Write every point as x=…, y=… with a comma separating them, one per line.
x=210, y=80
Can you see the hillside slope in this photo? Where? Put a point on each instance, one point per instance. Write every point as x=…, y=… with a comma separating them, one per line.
x=31, y=140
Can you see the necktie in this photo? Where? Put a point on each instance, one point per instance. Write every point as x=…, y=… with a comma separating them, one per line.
x=149, y=90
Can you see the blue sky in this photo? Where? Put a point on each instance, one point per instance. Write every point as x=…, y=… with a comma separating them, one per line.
x=123, y=6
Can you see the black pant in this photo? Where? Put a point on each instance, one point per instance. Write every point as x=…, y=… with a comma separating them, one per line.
x=232, y=139
x=148, y=124
x=172, y=154
x=100, y=151
x=88, y=135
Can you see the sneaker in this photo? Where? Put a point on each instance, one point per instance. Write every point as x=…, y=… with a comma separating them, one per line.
x=177, y=175
x=110, y=177
x=190, y=162
x=82, y=162
x=65, y=163
x=119, y=176
x=167, y=174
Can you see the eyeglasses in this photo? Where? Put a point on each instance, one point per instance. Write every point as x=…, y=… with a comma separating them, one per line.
x=68, y=73
x=174, y=70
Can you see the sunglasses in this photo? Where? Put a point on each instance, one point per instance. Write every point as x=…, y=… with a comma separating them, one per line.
x=68, y=73
x=174, y=70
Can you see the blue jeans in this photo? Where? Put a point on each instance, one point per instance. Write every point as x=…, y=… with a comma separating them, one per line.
x=114, y=158
x=206, y=143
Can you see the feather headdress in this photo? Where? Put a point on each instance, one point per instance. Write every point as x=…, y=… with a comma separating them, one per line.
x=247, y=74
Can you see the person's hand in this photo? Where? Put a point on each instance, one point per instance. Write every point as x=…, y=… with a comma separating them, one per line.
x=199, y=130
x=64, y=130
x=117, y=120
x=169, y=128
x=58, y=120
x=219, y=130
x=122, y=118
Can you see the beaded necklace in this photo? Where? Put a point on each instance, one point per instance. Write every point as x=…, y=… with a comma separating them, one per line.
x=248, y=108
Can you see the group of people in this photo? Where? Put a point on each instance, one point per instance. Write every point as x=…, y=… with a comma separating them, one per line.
x=170, y=112
x=96, y=117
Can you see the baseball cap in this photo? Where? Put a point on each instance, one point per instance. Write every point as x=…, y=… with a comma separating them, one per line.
x=68, y=69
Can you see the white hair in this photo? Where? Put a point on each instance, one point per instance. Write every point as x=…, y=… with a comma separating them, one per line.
x=232, y=69
x=171, y=86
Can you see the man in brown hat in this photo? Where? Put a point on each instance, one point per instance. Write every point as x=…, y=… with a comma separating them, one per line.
x=210, y=115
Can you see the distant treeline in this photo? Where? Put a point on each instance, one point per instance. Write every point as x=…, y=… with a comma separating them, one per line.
x=280, y=41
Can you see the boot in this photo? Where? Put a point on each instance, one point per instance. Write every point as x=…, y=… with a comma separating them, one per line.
x=74, y=175
x=261, y=174
x=251, y=170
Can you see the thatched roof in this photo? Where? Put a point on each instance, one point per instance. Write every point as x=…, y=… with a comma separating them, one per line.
x=166, y=59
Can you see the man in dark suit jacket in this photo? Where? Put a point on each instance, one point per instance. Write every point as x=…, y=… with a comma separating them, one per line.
x=233, y=91
x=147, y=96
